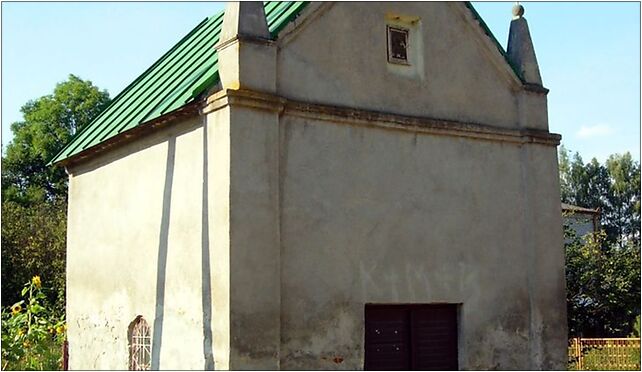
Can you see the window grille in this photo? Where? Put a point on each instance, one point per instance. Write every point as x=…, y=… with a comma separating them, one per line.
x=140, y=353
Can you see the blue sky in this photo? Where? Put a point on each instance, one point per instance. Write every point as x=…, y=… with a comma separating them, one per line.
x=589, y=56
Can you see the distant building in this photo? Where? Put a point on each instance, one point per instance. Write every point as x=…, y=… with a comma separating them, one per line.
x=582, y=220
x=322, y=186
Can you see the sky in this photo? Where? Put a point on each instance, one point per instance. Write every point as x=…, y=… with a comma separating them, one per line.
x=589, y=57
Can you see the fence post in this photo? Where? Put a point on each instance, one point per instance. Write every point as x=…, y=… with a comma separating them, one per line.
x=65, y=355
x=579, y=353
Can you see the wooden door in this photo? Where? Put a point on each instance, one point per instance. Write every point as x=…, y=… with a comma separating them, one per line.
x=387, y=338
x=434, y=337
x=411, y=337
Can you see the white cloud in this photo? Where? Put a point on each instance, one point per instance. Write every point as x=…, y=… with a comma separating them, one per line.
x=594, y=131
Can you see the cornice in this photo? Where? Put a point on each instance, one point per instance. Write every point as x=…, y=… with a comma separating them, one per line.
x=370, y=118
x=316, y=111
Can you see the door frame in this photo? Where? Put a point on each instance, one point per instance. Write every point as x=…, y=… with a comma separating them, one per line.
x=409, y=306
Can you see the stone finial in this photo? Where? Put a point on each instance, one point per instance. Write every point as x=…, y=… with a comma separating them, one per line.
x=520, y=48
x=245, y=19
x=518, y=10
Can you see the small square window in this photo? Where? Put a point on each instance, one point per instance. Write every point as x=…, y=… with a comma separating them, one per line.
x=397, y=45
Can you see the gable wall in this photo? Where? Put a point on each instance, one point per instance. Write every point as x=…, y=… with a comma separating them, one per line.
x=372, y=215
x=340, y=58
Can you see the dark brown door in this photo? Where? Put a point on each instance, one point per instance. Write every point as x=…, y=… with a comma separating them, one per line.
x=411, y=337
x=434, y=337
x=387, y=338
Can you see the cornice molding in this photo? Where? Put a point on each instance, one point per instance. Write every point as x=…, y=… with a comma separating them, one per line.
x=370, y=118
x=315, y=111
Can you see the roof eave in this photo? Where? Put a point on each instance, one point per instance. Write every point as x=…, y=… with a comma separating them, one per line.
x=133, y=107
x=577, y=209
x=189, y=110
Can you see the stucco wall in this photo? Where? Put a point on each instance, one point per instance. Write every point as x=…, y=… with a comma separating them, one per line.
x=309, y=217
x=309, y=220
x=370, y=215
x=340, y=57
x=255, y=301
x=381, y=216
x=136, y=247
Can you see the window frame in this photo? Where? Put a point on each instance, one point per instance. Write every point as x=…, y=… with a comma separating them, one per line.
x=406, y=33
x=140, y=345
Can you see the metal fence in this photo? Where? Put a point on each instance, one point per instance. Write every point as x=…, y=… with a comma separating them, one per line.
x=590, y=354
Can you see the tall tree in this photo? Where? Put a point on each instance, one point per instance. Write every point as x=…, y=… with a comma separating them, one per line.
x=603, y=269
x=624, y=214
x=613, y=188
x=49, y=123
x=34, y=195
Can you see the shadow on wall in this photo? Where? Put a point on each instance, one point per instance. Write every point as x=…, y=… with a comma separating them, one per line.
x=162, y=260
x=162, y=254
x=206, y=287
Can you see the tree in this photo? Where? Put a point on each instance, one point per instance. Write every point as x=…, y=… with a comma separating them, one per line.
x=624, y=215
x=613, y=188
x=49, y=123
x=603, y=287
x=34, y=194
x=583, y=185
x=603, y=269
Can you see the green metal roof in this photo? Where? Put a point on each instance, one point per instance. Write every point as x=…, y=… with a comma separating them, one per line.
x=176, y=79
x=181, y=75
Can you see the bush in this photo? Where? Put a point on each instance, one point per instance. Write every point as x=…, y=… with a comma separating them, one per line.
x=603, y=286
x=32, y=332
x=33, y=243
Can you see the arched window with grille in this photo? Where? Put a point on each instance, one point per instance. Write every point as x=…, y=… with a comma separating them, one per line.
x=140, y=345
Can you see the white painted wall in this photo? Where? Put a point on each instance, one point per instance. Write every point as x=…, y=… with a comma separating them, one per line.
x=125, y=208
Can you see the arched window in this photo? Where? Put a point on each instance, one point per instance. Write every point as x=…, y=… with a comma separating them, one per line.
x=140, y=345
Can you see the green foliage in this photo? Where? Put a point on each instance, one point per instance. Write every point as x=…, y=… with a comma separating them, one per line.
x=49, y=123
x=603, y=271
x=603, y=286
x=614, y=188
x=33, y=242
x=624, y=216
x=32, y=332
x=636, y=328
x=34, y=195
